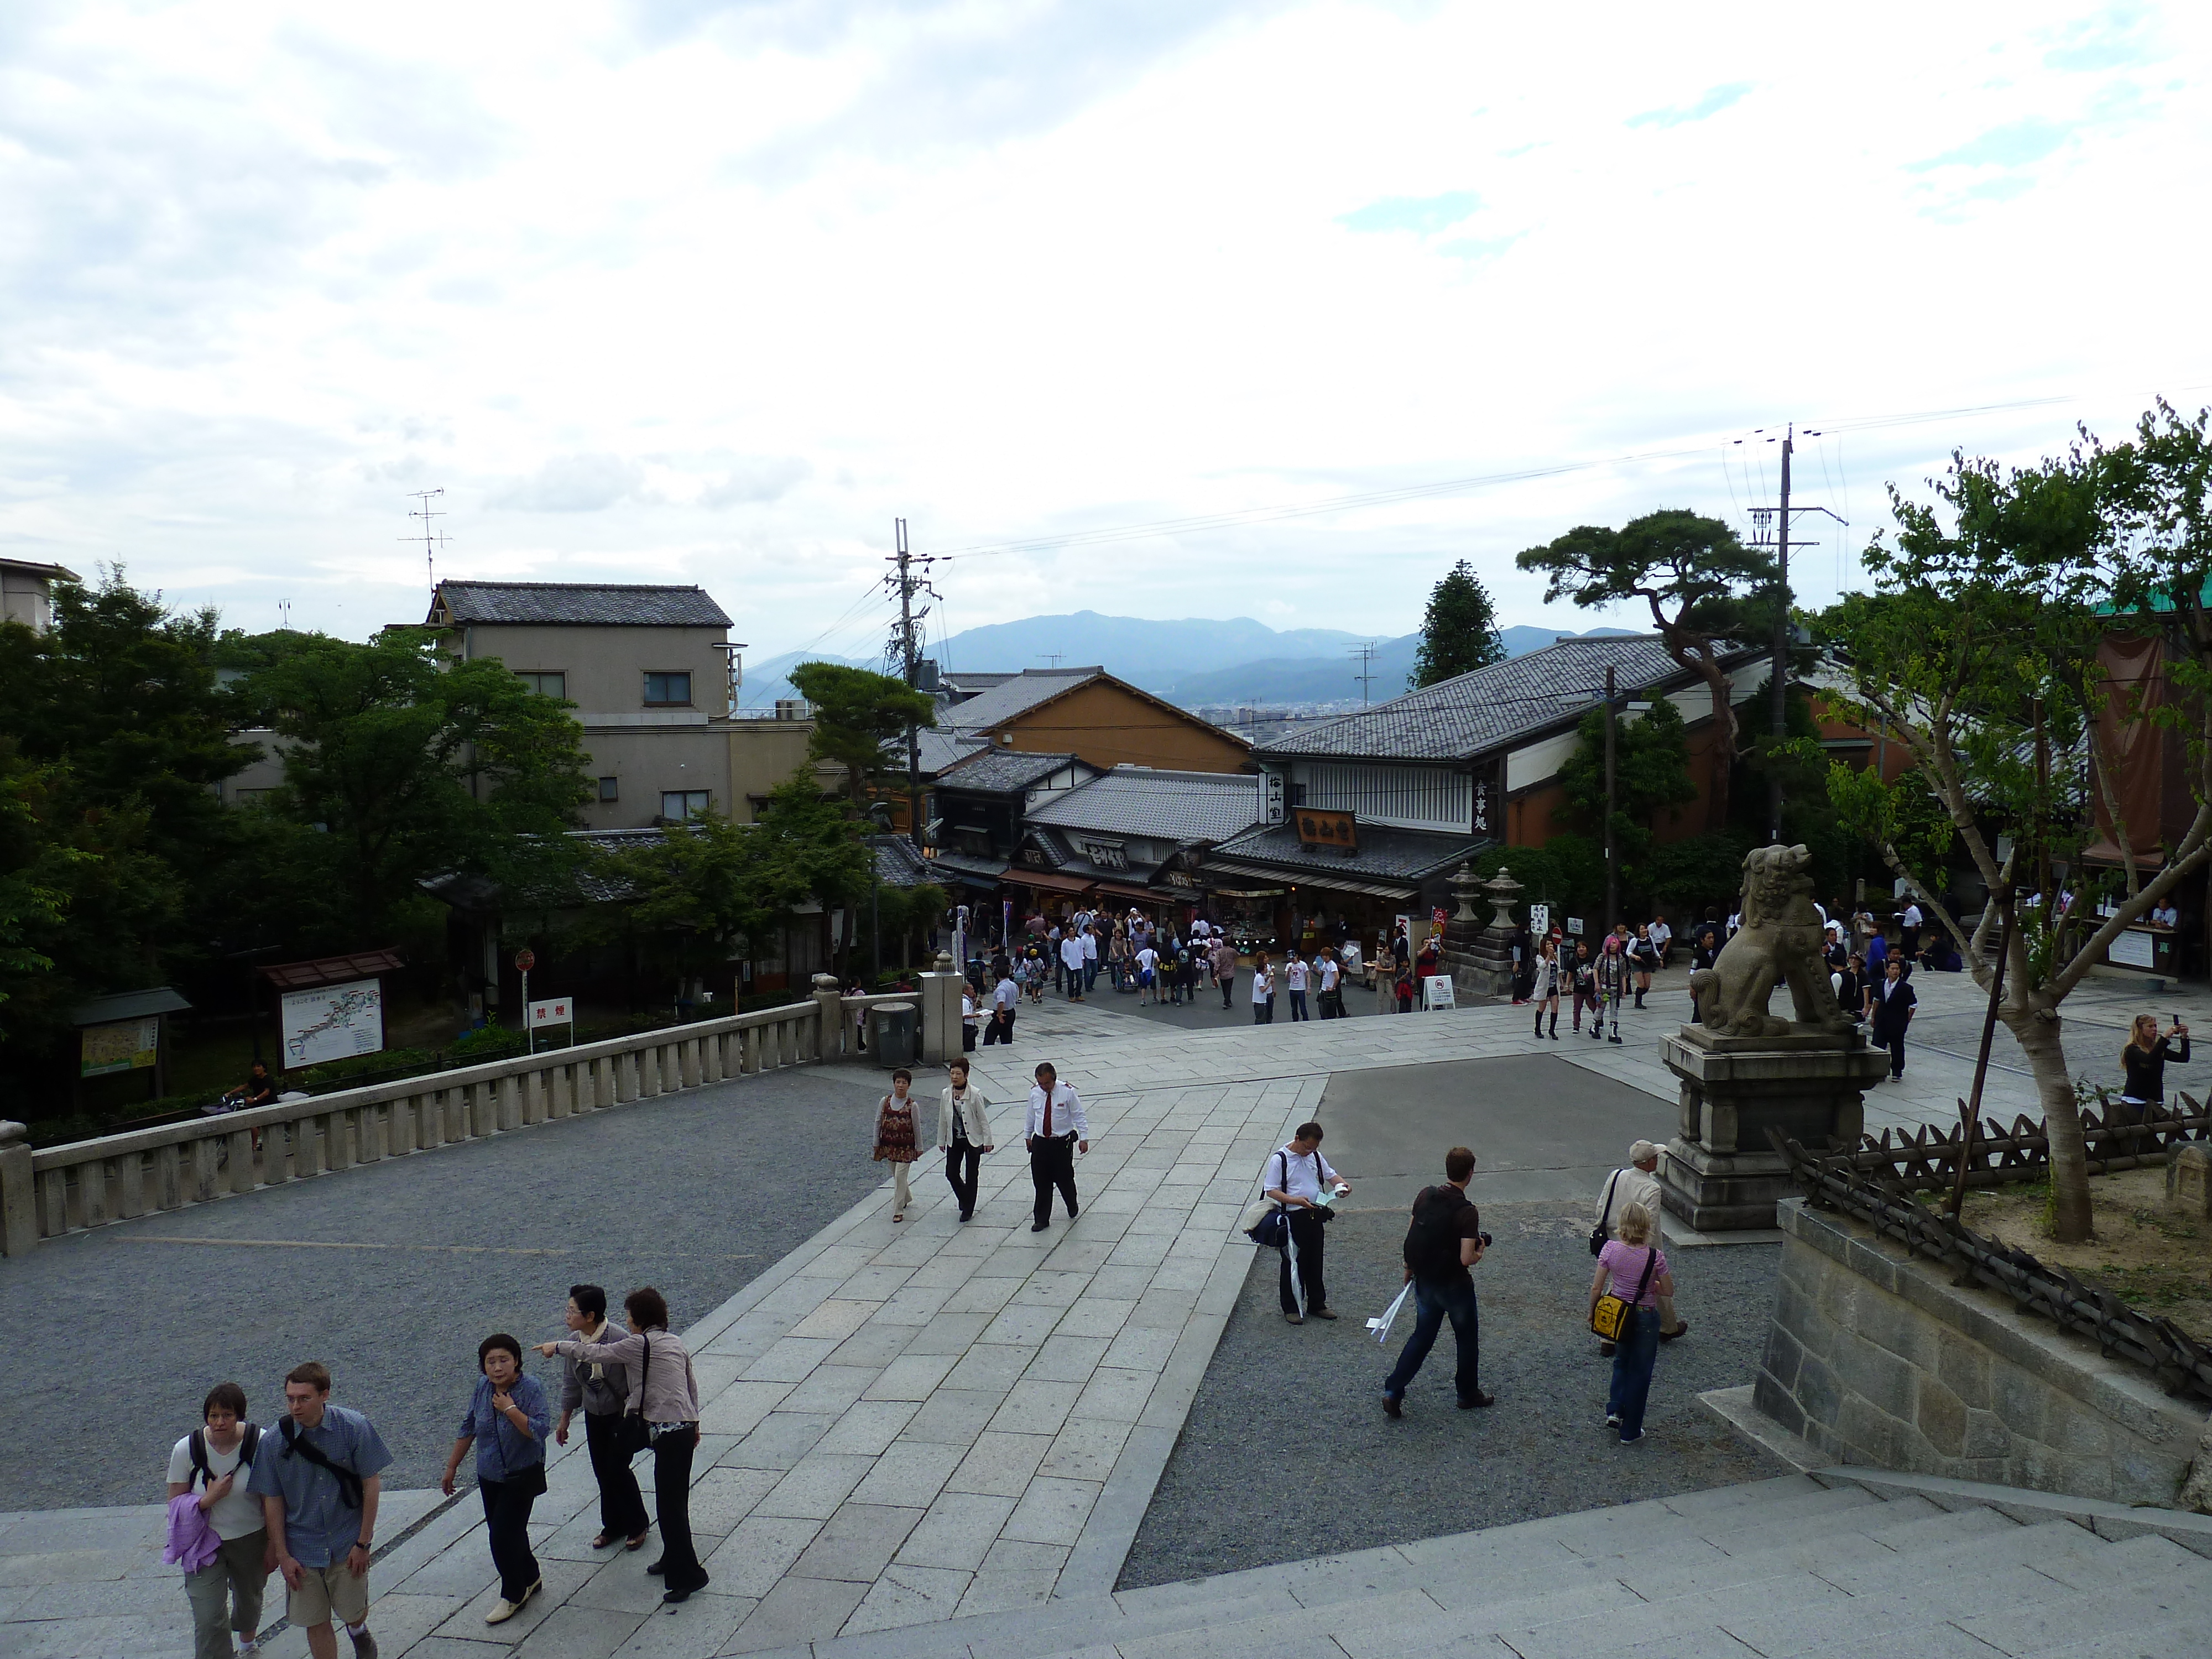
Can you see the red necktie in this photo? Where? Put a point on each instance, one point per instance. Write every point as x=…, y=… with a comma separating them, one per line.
x=1048, y=1117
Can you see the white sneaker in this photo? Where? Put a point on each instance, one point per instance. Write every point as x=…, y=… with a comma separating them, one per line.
x=501, y=1613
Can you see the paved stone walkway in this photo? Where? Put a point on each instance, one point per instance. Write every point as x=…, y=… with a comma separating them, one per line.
x=903, y=1422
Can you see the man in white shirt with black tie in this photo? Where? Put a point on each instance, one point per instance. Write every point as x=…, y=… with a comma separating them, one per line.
x=1294, y=1178
x=1057, y=1131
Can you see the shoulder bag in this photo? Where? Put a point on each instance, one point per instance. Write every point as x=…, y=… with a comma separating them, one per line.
x=1610, y=1317
x=1602, y=1231
x=349, y=1487
x=633, y=1437
x=1273, y=1230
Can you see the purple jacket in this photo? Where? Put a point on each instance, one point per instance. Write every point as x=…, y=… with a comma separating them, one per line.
x=192, y=1543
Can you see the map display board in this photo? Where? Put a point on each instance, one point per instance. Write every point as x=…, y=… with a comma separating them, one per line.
x=332, y=1022
x=121, y=1045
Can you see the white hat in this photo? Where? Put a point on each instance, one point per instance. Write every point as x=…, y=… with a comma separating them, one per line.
x=1642, y=1151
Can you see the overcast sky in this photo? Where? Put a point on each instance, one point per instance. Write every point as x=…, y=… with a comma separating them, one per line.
x=679, y=291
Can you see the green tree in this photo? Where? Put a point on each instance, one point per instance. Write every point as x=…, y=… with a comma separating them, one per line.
x=400, y=764
x=1651, y=773
x=860, y=718
x=1703, y=588
x=1459, y=630
x=1983, y=632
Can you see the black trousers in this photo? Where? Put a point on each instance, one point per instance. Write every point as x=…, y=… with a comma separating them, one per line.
x=1052, y=1164
x=1228, y=984
x=1001, y=1028
x=506, y=1518
x=622, y=1505
x=1306, y=1230
x=1894, y=1042
x=963, y=1164
x=671, y=1496
x=967, y=1039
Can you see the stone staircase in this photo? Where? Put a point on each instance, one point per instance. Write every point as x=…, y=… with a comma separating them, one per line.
x=1790, y=1566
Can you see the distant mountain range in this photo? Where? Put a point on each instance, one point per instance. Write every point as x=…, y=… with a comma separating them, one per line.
x=1194, y=662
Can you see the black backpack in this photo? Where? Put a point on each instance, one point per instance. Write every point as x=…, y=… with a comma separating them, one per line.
x=196, y=1448
x=1432, y=1241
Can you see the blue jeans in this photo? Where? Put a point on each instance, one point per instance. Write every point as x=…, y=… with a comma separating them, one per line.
x=1633, y=1357
x=1298, y=1005
x=1436, y=1300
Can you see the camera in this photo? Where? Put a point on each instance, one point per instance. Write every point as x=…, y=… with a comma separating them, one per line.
x=1487, y=1240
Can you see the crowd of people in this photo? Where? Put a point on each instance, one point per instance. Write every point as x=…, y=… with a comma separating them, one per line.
x=300, y=1499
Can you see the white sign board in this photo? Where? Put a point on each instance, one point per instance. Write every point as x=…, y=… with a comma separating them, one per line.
x=332, y=1022
x=2131, y=950
x=1574, y=926
x=555, y=1011
x=1540, y=921
x=1437, y=991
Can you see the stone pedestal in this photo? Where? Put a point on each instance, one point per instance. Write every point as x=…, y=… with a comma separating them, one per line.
x=1480, y=959
x=1720, y=1174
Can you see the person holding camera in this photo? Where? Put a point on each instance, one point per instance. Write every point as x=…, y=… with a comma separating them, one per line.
x=1444, y=1241
x=2144, y=1059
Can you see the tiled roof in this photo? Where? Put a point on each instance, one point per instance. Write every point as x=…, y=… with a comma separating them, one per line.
x=580, y=603
x=1016, y=695
x=1180, y=806
x=1406, y=855
x=941, y=749
x=1003, y=770
x=899, y=863
x=1461, y=718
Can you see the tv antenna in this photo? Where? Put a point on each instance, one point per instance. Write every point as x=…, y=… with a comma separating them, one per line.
x=1051, y=659
x=1365, y=652
x=283, y=615
x=432, y=537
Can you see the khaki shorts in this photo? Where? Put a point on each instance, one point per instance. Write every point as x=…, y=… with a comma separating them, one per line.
x=324, y=1591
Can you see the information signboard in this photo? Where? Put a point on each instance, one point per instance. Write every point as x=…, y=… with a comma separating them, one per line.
x=332, y=1022
x=1437, y=992
x=122, y=1045
x=554, y=1010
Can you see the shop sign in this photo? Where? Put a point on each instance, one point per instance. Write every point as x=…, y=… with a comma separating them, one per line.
x=1271, y=796
x=1540, y=920
x=1317, y=828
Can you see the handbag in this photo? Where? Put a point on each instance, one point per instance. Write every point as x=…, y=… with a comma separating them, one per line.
x=633, y=1437
x=1610, y=1317
x=1273, y=1230
x=1602, y=1231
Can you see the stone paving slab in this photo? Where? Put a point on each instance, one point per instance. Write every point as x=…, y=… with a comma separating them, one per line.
x=901, y=1424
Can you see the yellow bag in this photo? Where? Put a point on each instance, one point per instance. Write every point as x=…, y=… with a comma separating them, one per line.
x=1610, y=1317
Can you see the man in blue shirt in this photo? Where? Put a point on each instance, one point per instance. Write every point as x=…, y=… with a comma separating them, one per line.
x=320, y=1487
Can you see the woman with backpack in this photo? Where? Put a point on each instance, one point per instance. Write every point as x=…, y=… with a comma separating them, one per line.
x=1633, y=1269
x=225, y=1531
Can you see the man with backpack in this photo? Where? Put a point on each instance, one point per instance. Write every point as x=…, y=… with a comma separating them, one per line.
x=1444, y=1241
x=225, y=1593
x=1304, y=1184
x=318, y=1477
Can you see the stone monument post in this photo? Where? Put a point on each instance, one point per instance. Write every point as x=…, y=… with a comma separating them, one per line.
x=1480, y=956
x=1743, y=1070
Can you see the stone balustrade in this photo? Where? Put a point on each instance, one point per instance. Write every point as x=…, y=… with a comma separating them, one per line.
x=88, y=1183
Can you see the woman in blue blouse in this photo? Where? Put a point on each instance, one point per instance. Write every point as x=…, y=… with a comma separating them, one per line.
x=507, y=1420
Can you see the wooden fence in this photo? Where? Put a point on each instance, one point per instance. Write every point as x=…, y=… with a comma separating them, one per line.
x=2181, y=1365
x=1928, y=1158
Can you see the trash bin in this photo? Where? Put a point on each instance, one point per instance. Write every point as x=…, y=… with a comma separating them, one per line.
x=891, y=1033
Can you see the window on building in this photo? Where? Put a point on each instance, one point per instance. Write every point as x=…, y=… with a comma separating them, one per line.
x=679, y=804
x=610, y=789
x=544, y=684
x=1297, y=794
x=667, y=691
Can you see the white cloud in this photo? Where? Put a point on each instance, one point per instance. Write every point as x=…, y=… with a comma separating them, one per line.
x=714, y=292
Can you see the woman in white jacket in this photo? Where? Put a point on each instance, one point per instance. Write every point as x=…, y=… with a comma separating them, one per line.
x=963, y=1136
x=1545, y=993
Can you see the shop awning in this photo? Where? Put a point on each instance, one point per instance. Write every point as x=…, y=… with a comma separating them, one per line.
x=1046, y=882
x=2107, y=852
x=1141, y=895
x=1258, y=872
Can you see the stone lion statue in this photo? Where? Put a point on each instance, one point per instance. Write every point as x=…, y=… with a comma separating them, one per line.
x=1780, y=939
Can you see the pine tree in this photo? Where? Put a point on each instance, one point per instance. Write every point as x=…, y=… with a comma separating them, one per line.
x=1459, y=631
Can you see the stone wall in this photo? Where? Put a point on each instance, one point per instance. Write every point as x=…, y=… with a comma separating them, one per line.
x=1875, y=1357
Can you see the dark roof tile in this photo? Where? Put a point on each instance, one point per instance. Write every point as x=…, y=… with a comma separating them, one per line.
x=580, y=605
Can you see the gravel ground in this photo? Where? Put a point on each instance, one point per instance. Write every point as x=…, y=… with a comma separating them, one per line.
x=1228, y=1497
x=119, y=1334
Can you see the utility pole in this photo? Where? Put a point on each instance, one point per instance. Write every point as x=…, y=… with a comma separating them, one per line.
x=1781, y=667
x=1611, y=869
x=1366, y=654
x=907, y=641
